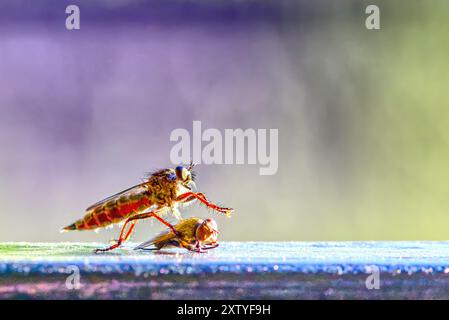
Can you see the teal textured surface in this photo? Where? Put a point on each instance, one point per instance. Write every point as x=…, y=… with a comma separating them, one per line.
x=279, y=270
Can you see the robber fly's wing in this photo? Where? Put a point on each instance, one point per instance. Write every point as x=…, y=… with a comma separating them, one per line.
x=138, y=188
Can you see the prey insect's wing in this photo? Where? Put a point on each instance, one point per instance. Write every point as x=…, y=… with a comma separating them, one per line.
x=139, y=188
x=165, y=239
x=186, y=229
x=145, y=245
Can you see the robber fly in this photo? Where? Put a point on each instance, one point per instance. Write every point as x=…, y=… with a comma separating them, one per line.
x=193, y=234
x=161, y=192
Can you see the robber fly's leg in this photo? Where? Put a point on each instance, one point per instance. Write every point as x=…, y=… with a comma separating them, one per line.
x=190, y=196
x=121, y=237
x=170, y=226
x=128, y=233
x=154, y=215
x=130, y=230
x=133, y=220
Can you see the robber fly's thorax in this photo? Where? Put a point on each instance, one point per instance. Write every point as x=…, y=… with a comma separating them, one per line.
x=162, y=191
x=181, y=190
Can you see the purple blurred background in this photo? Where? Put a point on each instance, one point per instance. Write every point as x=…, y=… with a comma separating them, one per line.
x=84, y=114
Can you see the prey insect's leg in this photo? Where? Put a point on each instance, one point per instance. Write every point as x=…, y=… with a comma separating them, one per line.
x=196, y=247
x=190, y=196
x=212, y=246
x=200, y=248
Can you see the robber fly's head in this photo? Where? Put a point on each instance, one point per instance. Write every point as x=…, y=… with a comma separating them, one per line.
x=185, y=175
x=207, y=231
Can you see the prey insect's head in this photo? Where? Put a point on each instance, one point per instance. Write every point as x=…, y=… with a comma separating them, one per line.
x=185, y=175
x=207, y=231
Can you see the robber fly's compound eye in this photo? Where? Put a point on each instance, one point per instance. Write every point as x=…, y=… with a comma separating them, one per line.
x=182, y=173
x=172, y=177
x=179, y=170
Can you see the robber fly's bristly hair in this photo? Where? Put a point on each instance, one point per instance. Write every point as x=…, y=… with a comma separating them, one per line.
x=148, y=174
x=190, y=168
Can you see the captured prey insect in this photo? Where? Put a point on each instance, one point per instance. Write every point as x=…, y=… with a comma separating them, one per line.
x=161, y=192
x=193, y=234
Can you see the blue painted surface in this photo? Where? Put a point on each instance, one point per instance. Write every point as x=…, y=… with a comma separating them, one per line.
x=232, y=257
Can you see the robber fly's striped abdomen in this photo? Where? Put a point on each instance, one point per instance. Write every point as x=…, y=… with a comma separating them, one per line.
x=112, y=211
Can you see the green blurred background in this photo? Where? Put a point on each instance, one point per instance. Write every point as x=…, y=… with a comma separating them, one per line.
x=363, y=115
